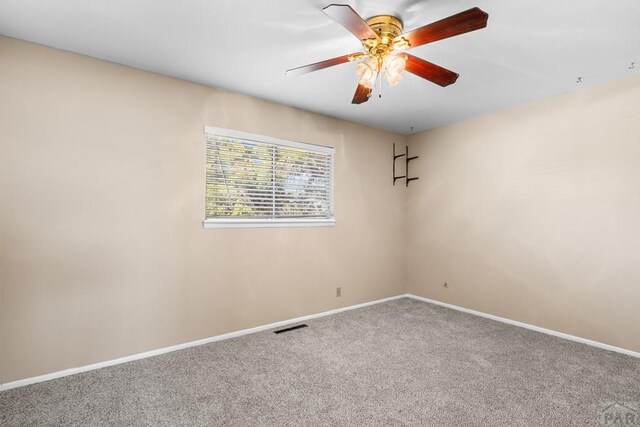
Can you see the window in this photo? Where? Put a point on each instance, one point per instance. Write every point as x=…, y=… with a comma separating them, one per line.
x=258, y=181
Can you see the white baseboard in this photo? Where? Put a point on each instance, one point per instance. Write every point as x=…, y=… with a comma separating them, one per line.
x=531, y=327
x=72, y=371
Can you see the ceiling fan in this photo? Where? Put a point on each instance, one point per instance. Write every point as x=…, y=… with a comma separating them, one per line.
x=384, y=43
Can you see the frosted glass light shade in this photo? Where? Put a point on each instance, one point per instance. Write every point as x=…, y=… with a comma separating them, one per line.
x=394, y=65
x=367, y=71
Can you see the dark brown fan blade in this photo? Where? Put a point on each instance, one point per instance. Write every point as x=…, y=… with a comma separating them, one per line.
x=362, y=94
x=463, y=22
x=349, y=19
x=432, y=72
x=318, y=65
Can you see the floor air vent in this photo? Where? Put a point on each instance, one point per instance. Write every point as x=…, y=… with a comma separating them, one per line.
x=292, y=328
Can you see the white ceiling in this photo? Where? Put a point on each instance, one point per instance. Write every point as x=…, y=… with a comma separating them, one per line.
x=530, y=49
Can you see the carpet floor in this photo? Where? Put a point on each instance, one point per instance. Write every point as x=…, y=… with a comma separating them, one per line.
x=399, y=363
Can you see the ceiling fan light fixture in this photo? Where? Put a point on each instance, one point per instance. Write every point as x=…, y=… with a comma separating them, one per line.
x=382, y=40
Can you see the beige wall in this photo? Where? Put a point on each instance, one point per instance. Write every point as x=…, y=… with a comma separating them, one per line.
x=534, y=214
x=103, y=253
x=530, y=214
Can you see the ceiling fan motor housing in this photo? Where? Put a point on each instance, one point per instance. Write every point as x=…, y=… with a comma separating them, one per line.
x=387, y=27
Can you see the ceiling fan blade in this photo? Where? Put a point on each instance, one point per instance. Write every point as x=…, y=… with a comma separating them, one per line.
x=428, y=71
x=319, y=65
x=463, y=22
x=362, y=94
x=349, y=19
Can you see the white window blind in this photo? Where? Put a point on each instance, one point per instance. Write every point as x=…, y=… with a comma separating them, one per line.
x=255, y=180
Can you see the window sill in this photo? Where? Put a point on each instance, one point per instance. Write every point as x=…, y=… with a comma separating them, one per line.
x=262, y=223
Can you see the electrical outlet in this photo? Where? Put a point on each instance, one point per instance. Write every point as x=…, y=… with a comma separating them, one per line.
x=338, y=292
x=445, y=285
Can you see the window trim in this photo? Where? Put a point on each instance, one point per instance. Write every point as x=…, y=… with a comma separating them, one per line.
x=268, y=222
x=272, y=222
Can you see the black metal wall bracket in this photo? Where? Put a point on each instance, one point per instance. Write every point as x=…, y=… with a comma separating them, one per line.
x=395, y=157
x=408, y=159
